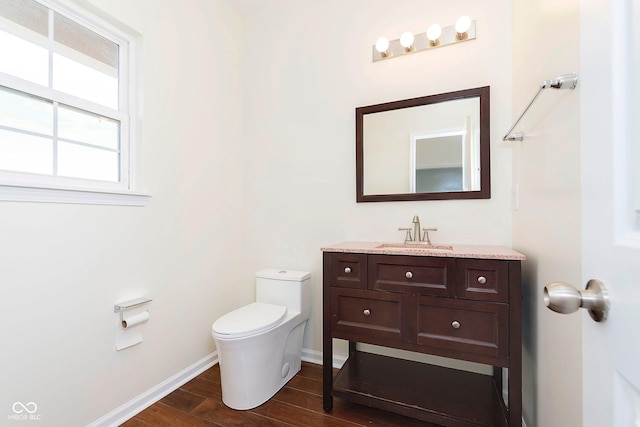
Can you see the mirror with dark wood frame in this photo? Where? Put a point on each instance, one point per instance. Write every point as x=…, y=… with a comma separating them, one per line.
x=434, y=147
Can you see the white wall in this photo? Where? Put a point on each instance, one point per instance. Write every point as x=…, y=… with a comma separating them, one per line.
x=308, y=66
x=64, y=266
x=546, y=226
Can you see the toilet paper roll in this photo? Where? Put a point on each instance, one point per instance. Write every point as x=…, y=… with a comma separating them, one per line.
x=136, y=319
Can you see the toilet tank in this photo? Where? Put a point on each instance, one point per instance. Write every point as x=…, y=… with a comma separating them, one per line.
x=290, y=288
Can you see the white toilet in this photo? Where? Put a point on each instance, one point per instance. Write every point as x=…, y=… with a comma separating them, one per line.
x=260, y=345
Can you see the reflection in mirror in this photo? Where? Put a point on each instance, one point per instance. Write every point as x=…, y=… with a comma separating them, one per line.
x=440, y=162
x=429, y=148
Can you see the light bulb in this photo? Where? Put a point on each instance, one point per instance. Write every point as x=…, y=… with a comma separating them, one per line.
x=406, y=39
x=433, y=33
x=382, y=44
x=463, y=24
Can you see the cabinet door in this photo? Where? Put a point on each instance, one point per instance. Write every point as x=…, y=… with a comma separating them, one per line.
x=367, y=316
x=412, y=275
x=483, y=280
x=465, y=327
x=348, y=270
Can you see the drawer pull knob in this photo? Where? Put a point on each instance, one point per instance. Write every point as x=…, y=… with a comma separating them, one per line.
x=408, y=275
x=482, y=280
x=455, y=324
x=348, y=270
x=366, y=312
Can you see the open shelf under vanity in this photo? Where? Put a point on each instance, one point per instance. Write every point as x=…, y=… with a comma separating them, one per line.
x=420, y=390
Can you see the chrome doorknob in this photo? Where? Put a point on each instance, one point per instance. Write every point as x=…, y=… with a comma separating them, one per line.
x=564, y=298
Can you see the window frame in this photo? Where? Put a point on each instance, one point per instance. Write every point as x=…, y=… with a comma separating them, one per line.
x=23, y=186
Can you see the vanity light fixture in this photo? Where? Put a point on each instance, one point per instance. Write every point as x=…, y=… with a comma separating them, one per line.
x=406, y=41
x=435, y=36
x=382, y=46
x=462, y=26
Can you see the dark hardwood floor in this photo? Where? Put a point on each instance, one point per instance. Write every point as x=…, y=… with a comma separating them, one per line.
x=299, y=403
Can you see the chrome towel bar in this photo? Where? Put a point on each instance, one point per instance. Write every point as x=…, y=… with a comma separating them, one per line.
x=565, y=81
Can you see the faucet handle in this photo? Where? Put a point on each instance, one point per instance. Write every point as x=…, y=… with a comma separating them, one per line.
x=426, y=234
x=407, y=237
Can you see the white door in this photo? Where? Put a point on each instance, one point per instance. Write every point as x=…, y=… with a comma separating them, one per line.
x=610, y=134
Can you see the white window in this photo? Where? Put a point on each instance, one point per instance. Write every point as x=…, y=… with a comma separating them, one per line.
x=66, y=102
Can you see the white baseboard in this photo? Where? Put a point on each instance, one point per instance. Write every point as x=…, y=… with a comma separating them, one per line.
x=313, y=356
x=154, y=394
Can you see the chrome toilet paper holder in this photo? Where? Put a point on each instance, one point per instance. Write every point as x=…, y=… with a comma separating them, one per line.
x=128, y=305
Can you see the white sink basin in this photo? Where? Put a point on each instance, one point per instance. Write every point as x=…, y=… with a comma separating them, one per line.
x=415, y=246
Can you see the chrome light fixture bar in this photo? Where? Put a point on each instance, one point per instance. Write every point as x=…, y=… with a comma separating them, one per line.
x=565, y=81
x=434, y=37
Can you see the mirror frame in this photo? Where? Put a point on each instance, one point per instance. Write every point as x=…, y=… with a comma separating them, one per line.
x=485, y=173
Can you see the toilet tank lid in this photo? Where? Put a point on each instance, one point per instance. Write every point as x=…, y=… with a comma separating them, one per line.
x=283, y=274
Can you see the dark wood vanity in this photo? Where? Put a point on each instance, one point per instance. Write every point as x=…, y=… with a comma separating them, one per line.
x=462, y=304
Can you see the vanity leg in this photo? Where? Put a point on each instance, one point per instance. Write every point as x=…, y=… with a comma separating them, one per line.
x=327, y=341
x=352, y=348
x=515, y=363
x=497, y=377
x=327, y=376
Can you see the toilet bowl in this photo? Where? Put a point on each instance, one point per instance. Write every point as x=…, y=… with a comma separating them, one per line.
x=260, y=345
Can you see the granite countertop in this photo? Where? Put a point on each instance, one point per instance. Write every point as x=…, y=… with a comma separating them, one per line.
x=437, y=250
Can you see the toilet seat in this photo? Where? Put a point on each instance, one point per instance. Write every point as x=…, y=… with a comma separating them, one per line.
x=248, y=320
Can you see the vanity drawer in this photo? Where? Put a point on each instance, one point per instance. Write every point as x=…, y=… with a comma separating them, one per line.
x=478, y=328
x=348, y=270
x=374, y=317
x=412, y=275
x=483, y=280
